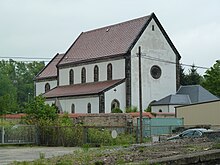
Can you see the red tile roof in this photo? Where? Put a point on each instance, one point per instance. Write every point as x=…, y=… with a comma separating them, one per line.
x=82, y=89
x=107, y=41
x=144, y=114
x=13, y=116
x=50, y=70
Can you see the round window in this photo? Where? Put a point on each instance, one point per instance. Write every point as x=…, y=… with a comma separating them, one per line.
x=155, y=71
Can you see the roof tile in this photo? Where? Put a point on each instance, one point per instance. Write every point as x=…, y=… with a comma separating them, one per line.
x=106, y=41
x=50, y=69
x=81, y=89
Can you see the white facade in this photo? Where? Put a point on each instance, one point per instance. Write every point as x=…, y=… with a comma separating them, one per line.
x=40, y=86
x=116, y=93
x=153, y=46
x=118, y=72
x=163, y=108
x=80, y=103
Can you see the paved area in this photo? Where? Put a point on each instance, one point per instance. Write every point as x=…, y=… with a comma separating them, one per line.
x=11, y=154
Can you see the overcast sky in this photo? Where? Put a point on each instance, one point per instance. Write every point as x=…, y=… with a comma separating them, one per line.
x=42, y=28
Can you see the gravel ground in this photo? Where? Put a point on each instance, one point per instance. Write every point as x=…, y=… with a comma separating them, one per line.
x=11, y=154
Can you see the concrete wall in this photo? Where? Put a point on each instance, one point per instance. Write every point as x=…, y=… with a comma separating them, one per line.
x=118, y=72
x=153, y=45
x=40, y=86
x=200, y=114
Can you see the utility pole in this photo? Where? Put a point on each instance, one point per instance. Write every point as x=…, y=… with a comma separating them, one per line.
x=140, y=94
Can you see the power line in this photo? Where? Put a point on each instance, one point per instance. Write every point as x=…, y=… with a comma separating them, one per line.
x=28, y=59
x=170, y=62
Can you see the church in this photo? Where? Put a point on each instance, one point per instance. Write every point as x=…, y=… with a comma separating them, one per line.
x=100, y=70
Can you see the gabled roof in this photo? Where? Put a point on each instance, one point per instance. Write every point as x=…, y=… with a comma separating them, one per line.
x=110, y=41
x=176, y=99
x=82, y=89
x=50, y=70
x=197, y=93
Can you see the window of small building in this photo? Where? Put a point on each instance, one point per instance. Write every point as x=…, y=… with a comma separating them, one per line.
x=47, y=87
x=109, y=71
x=73, y=108
x=160, y=110
x=89, y=108
x=96, y=73
x=71, y=77
x=83, y=75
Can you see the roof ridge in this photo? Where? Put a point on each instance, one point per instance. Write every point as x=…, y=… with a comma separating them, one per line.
x=116, y=24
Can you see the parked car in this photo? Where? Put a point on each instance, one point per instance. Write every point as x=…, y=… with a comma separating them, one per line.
x=190, y=133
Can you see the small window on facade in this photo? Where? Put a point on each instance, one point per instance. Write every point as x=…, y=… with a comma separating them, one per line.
x=83, y=75
x=152, y=27
x=73, y=108
x=89, y=108
x=160, y=110
x=47, y=87
x=109, y=72
x=71, y=77
x=96, y=73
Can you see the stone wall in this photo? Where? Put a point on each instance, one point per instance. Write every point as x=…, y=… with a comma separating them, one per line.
x=119, y=119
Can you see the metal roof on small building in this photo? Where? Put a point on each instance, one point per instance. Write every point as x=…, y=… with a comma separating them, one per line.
x=177, y=99
x=197, y=93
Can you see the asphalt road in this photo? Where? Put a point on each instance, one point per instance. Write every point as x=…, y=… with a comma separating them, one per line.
x=11, y=154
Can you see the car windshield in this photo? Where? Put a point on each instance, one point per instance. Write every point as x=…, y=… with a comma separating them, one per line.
x=191, y=133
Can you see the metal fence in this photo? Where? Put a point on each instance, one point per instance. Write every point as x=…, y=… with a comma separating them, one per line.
x=160, y=126
x=81, y=135
x=18, y=134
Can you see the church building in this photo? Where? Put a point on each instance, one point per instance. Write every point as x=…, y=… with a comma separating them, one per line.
x=100, y=70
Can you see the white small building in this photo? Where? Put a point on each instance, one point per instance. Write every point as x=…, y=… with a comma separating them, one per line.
x=99, y=72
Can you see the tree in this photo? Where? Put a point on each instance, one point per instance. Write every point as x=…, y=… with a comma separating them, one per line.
x=37, y=111
x=193, y=77
x=8, y=97
x=17, y=78
x=212, y=79
x=183, y=80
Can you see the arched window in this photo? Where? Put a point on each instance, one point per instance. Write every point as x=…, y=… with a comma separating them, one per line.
x=73, y=108
x=115, y=104
x=47, y=87
x=83, y=75
x=160, y=110
x=89, y=108
x=71, y=77
x=109, y=71
x=96, y=73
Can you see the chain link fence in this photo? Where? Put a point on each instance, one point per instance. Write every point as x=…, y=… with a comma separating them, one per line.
x=18, y=134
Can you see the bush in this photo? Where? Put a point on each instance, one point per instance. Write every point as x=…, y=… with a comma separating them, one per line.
x=131, y=109
x=117, y=110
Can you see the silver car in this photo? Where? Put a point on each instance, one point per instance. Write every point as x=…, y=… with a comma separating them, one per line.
x=190, y=133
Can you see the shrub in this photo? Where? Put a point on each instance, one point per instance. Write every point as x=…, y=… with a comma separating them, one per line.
x=117, y=110
x=131, y=109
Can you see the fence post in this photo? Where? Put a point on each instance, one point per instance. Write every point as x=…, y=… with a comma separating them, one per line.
x=3, y=135
x=85, y=133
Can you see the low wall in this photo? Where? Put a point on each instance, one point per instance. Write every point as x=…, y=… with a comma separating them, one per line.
x=119, y=119
x=205, y=157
